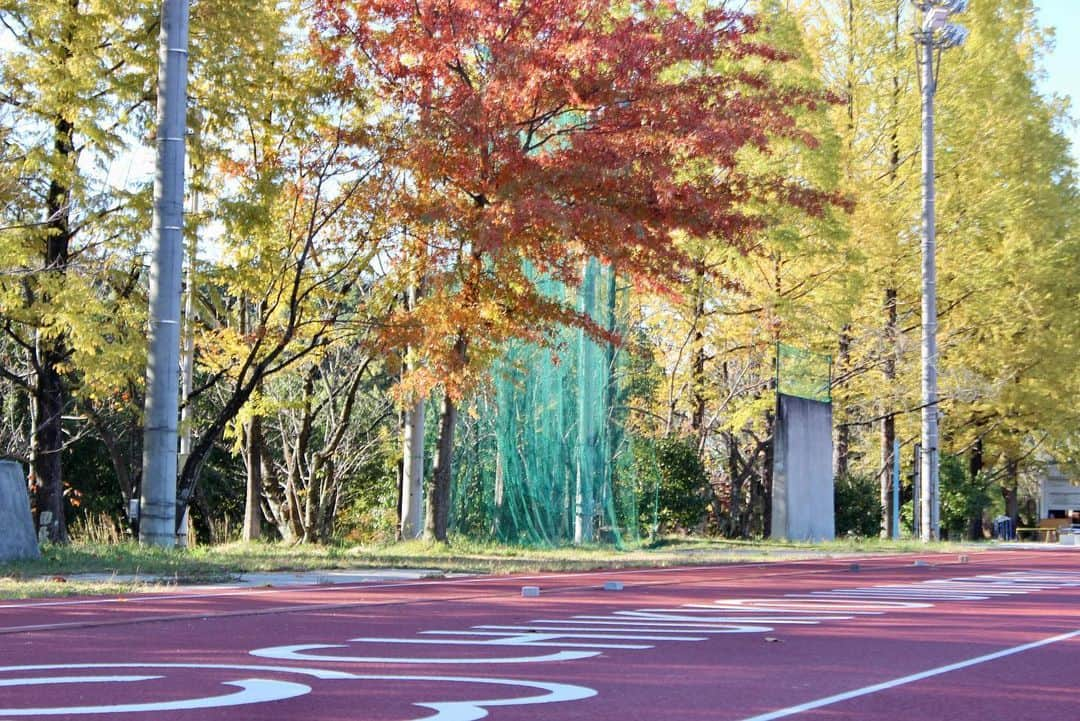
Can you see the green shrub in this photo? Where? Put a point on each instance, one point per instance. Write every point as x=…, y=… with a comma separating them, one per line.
x=673, y=489
x=963, y=498
x=857, y=504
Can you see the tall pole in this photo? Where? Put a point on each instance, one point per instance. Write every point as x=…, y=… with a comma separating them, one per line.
x=157, y=515
x=587, y=430
x=929, y=475
x=896, y=490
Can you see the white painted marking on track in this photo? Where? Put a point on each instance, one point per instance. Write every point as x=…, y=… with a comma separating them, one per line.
x=646, y=633
x=851, y=605
x=466, y=710
x=48, y=680
x=300, y=653
x=713, y=608
x=535, y=633
x=318, y=673
x=252, y=690
x=699, y=626
x=912, y=678
x=897, y=593
x=502, y=639
x=474, y=710
x=665, y=616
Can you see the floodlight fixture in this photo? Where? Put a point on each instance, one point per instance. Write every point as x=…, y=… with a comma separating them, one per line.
x=952, y=6
x=949, y=6
x=953, y=35
x=936, y=19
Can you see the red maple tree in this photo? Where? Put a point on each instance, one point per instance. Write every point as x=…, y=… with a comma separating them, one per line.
x=533, y=134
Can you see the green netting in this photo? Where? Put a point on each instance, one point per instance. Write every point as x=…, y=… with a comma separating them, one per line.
x=803, y=374
x=541, y=458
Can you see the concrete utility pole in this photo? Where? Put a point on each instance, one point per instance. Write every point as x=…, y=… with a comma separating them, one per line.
x=157, y=514
x=587, y=430
x=936, y=33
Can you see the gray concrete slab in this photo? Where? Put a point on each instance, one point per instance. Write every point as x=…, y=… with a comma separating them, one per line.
x=17, y=539
x=802, y=493
x=282, y=578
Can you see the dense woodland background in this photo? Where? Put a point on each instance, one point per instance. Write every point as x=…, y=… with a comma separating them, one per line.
x=377, y=188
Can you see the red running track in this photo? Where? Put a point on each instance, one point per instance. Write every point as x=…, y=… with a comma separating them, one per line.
x=994, y=636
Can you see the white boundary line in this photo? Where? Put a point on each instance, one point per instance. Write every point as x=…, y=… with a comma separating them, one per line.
x=885, y=685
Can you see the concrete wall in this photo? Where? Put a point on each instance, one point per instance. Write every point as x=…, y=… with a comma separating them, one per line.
x=17, y=539
x=802, y=496
x=1056, y=492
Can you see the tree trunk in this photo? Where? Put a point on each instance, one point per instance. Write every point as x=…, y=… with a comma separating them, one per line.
x=126, y=474
x=1009, y=491
x=610, y=425
x=313, y=502
x=888, y=423
x=975, y=466
x=885, y=477
x=327, y=511
x=412, y=471
x=842, y=449
x=253, y=497
x=50, y=351
x=438, y=497
x=48, y=444
x=697, y=364
x=892, y=333
x=767, y=475
x=735, y=525
x=437, y=518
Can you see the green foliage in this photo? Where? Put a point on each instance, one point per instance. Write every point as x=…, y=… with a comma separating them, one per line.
x=963, y=498
x=857, y=504
x=673, y=485
x=92, y=481
x=218, y=506
x=370, y=508
x=802, y=373
x=371, y=517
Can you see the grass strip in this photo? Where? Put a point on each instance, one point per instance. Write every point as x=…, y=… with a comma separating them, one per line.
x=129, y=567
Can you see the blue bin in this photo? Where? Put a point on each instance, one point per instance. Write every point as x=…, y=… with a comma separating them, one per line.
x=1004, y=530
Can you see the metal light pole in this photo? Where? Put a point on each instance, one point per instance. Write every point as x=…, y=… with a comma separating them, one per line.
x=157, y=514
x=936, y=33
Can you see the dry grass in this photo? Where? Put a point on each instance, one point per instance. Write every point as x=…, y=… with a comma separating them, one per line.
x=128, y=567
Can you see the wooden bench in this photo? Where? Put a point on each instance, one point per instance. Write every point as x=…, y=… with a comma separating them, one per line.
x=1051, y=533
x=1053, y=528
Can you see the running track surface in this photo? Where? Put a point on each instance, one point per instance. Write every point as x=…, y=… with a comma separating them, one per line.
x=995, y=635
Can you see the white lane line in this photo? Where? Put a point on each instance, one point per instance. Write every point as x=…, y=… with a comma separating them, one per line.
x=885, y=685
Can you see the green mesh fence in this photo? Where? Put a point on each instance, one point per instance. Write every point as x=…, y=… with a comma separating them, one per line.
x=542, y=458
x=803, y=374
